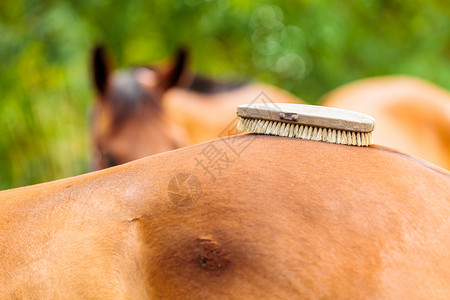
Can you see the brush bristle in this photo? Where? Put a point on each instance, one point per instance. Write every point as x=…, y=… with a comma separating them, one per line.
x=305, y=132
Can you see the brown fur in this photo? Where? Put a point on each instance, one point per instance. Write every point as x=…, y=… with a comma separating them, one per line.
x=412, y=115
x=287, y=218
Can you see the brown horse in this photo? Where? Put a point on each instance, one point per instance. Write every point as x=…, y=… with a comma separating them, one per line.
x=412, y=115
x=269, y=217
x=147, y=110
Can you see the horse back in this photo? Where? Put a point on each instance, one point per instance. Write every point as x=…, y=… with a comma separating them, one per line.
x=412, y=115
x=269, y=217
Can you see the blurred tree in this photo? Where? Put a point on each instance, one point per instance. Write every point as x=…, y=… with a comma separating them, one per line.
x=306, y=47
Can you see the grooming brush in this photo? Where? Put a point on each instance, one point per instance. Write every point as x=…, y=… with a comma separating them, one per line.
x=309, y=122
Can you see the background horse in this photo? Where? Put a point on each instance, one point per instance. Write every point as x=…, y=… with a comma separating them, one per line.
x=277, y=218
x=147, y=110
x=412, y=115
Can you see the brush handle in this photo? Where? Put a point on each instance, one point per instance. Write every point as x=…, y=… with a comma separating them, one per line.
x=311, y=115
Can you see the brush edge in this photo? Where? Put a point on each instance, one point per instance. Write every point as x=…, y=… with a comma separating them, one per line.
x=306, y=132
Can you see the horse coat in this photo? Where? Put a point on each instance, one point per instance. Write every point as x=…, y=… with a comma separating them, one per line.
x=268, y=217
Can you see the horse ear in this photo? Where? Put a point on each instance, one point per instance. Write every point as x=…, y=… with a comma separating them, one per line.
x=100, y=68
x=177, y=71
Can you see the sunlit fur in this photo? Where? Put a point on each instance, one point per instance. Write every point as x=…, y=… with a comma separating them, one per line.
x=412, y=115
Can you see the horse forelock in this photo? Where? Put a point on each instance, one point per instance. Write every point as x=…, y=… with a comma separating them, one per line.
x=127, y=95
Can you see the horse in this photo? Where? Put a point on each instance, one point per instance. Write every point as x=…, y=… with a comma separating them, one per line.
x=146, y=110
x=269, y=217
x=412, y=115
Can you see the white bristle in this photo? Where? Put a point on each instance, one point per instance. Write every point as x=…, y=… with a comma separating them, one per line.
x=247, y=122
x=291, y=130
x=283, y=129
x=238, y=125
x=319, y=135
x=258, y=127
x=299, y=131
x=344, y=138
x=314, y=134
x=255, y=127
x=287, y=129
x=324, y=135
x=254, y=124
x=264, y=128
x=269, y=126
x=365, y=141
x=310, y=130
x=244, y=124
x=296, y=130
x=277, y=129
x=281, y=133
x=305, y=132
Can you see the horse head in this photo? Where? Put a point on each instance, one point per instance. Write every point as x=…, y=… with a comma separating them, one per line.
x=128, y=120
x=147, y=110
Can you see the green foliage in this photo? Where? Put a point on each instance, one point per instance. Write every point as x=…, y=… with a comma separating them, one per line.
x=306, y=47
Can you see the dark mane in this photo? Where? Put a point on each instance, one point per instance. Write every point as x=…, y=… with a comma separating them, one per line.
x=204, y=85
x=126, y=96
